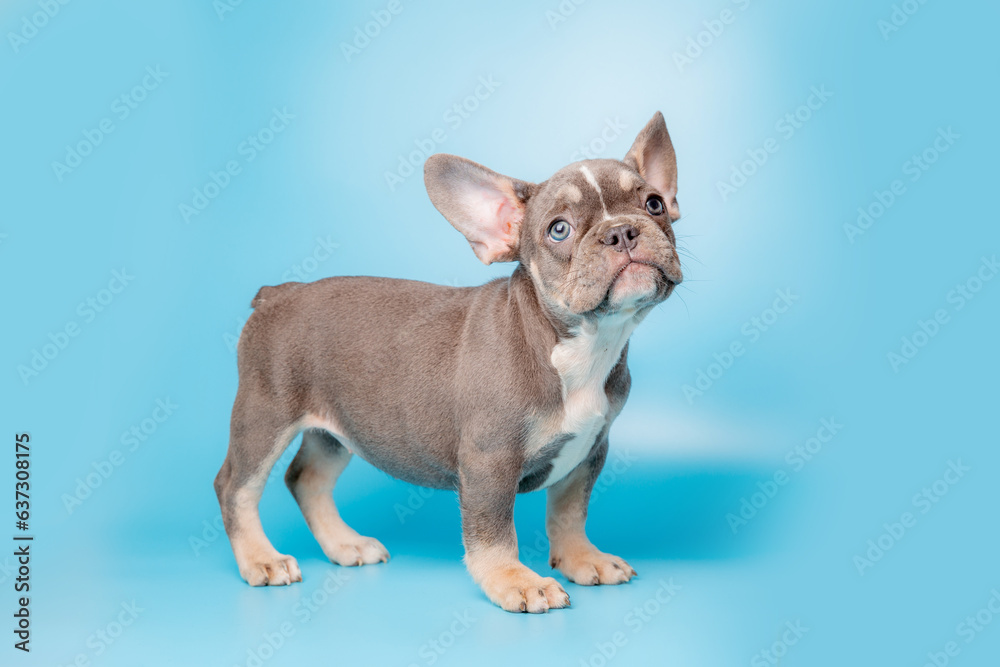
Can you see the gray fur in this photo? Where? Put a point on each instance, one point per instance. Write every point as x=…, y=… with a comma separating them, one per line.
x=536, y=469
x=448, y=387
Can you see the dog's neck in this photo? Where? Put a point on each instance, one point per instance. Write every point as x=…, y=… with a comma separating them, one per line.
x=582, y=348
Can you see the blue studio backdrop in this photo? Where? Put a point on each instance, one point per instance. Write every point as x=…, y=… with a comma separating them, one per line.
x=806, y=472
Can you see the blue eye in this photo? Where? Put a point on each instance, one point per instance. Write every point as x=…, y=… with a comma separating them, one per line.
x=559, y=230
x=654, y=205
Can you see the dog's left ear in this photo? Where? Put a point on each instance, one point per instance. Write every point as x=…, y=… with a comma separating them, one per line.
x=652, y=155
x=485, y=206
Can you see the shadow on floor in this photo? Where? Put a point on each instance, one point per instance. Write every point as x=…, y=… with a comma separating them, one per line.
x=654, y=509
x=661, y=509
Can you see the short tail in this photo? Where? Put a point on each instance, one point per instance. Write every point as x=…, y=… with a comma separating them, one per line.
x=270, y=294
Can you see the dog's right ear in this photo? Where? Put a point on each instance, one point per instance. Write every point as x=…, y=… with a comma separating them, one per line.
x=487, y=207
x=652, y=155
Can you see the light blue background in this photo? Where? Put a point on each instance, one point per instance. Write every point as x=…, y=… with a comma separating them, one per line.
x=686, y=464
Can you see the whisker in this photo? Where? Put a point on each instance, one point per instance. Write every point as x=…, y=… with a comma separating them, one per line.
x=687, y=310
x=687, y=254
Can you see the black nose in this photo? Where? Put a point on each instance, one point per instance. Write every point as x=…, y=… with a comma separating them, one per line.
x=621, y=238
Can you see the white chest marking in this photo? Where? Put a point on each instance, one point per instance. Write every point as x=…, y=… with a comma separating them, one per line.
x=593, y=182
x=584, y=363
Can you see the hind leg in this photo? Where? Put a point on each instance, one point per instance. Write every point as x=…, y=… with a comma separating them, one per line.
x=311, y=478
x=258, y=436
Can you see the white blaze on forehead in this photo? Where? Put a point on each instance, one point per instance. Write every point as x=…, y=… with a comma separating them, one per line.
x=587, y=174
x=571, y=192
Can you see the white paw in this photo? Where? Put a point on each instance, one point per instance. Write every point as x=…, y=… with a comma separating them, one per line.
x=521, y=590
x=590, y=567
x=359, y=550
x=275, y=570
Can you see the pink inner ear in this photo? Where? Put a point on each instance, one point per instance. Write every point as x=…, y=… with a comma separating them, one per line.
x=506, y=216
x=655, y=171
x=495, y=220
x=657, y=177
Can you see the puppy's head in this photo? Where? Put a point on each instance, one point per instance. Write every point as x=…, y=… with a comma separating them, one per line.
x=596, y=237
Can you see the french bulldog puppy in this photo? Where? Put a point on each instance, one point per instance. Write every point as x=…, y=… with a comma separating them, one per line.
x=491, y=391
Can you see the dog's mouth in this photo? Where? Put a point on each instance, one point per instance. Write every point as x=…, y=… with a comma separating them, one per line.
x=639, y=265
x=629, y=284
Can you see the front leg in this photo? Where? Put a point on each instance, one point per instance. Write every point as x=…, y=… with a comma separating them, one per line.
x=487, y=488
x=570, y=550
